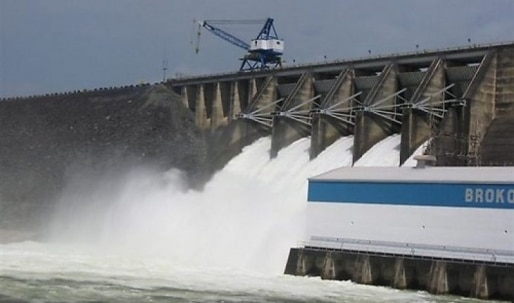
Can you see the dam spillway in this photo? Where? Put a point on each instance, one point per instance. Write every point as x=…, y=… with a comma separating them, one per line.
x=462, y=97
x=460, y=100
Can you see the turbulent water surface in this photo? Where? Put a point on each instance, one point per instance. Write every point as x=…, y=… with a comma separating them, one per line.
x=146, y=238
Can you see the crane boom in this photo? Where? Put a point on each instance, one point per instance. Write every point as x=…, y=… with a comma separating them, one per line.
x=224, y=35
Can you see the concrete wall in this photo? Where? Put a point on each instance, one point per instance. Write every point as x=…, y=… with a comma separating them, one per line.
x=417, y=125
x=477, y=79
x=438, y=276
x=327, y=128
x=286, y=130
x=226, y=141
x=498, y=142
x=370, y=128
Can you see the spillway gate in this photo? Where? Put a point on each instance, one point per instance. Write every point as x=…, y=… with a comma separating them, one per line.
x=453, y=94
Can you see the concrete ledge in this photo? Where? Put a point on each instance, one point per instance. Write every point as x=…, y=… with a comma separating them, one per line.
x=478, y=279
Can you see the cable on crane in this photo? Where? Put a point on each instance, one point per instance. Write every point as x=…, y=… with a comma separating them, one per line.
x=263, y=52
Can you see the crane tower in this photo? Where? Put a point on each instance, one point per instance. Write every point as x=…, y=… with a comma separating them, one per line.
x=263, y=52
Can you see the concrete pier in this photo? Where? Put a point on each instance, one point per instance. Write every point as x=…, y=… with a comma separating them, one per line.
x=289, y=121
x=375, y=119
x=470, y=278
x=400, y=278
x=438, y=278
x=333, y=118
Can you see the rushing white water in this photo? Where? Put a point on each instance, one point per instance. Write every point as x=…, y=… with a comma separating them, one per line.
x=384, y=153
x=144, y=237
x=247, y=216
x=419, y=151
x=52, y=273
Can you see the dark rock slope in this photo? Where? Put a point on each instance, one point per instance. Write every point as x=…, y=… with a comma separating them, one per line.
x=46, y=140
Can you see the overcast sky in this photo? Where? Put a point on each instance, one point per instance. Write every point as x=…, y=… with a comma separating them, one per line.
x=62, y=45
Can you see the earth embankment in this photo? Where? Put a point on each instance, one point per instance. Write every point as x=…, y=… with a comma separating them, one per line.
x=46, y=140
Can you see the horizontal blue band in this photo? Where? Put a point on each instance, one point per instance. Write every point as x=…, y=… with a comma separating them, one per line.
x=419, y=194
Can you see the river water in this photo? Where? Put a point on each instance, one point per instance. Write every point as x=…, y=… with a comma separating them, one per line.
x=144, y=237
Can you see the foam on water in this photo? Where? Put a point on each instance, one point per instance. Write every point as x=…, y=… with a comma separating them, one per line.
x=247, y=216
x=145, y=231
x=81, y=273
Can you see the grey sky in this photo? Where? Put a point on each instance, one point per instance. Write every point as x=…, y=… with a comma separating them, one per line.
x=61, y=45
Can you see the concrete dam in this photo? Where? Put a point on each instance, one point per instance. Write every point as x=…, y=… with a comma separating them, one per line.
x=461, y=100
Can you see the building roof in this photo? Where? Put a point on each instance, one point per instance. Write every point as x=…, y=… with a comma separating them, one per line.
x=420, y=175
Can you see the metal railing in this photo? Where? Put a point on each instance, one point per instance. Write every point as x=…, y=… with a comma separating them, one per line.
x=182, y=77
x=413, y=250
x=354, y=59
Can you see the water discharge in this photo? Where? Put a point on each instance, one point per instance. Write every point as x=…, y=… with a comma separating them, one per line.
x=247, y=216
x=144, y=235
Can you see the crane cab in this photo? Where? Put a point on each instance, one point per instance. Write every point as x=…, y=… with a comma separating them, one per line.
x=273, y=46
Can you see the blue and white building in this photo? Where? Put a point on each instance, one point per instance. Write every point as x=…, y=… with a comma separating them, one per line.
x=422, y=207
